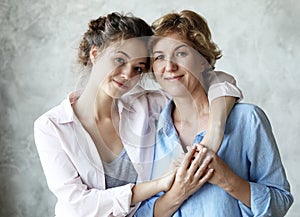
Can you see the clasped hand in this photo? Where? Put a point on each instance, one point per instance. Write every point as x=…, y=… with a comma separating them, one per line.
x=198, y=166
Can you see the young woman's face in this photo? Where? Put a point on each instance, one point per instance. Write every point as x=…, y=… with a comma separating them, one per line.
x=177, y=66
x=118, y=68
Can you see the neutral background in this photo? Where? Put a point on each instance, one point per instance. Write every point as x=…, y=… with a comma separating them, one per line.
x=38, y=41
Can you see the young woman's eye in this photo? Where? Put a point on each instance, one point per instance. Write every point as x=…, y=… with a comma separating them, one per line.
x=159, y=57
x=139, y=70
x=181, y=54
x=119, y=60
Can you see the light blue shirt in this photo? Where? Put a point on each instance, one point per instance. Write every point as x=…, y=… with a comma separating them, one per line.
x=249, y=149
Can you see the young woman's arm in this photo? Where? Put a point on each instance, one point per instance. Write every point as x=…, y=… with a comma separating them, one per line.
x=219, y=111
x=145, y=190
x=65, y=170
x=222, y=94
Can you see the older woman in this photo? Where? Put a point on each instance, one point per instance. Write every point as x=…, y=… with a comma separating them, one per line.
x=246, y=176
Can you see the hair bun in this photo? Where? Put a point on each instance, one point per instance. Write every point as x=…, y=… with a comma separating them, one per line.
x=97, y=25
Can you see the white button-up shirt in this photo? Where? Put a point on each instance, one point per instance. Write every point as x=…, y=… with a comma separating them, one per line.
x=72, y=165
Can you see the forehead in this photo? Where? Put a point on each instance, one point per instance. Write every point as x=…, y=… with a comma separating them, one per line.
x=135, y=47
x=169, y=42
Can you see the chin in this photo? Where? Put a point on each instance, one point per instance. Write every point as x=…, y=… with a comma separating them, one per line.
x=117, y=95
x=176, y=91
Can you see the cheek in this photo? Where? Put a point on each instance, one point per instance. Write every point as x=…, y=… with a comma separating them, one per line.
x=158, y=67
x=159, y=78
x=105, y=71
x=158, y=75
x=133, y=81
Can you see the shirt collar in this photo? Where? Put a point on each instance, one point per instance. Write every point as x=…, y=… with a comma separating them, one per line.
x=165, y=122
x=69, y=115
x=125, y=102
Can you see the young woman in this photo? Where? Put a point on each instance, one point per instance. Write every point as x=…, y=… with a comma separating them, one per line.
x=96, y=147
x=247, y=177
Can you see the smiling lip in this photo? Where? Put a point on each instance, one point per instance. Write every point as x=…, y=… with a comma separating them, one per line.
x=174, y=78
x=119, y=84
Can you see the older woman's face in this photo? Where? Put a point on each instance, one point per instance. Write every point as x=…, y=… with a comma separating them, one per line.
x=117, y=69
x=177, y=66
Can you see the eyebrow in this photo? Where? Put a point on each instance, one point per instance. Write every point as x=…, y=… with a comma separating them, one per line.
x=179, y=46
x=176, y=48
x=125, y=54
x=143, y=63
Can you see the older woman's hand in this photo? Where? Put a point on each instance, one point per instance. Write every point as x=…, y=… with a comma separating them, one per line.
x=225, y=178
x=192, y=174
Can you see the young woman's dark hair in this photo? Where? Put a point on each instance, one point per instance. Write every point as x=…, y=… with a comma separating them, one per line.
x=110, y=28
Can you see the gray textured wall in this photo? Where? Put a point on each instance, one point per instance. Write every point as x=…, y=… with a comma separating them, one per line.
x=260, y=43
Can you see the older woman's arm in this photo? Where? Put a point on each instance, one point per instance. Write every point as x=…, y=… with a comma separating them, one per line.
x=264, y=190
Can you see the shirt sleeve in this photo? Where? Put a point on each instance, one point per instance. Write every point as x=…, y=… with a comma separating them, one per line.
x=270, y=190
x=219, y=84
x=75, y=198
x=146, y=208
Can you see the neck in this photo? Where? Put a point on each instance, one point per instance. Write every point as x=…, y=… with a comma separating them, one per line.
x=93, y=105
x=190, y=107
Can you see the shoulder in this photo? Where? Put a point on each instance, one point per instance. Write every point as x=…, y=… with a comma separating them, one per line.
x=55, y=115
x=248, y=113
x=216, y=76
x=140, y=92
x=152, y=99
x=247, y=109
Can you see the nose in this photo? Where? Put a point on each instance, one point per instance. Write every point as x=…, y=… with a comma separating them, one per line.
x=171, y=66
x=127, y=72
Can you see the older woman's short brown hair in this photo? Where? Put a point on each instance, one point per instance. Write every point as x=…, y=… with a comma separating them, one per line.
x=194, y=30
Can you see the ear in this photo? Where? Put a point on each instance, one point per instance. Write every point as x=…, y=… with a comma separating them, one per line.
x=94, y=52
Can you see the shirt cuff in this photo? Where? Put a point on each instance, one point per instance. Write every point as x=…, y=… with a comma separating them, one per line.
x=224, y=89
x=260, y=199
x=121, y=197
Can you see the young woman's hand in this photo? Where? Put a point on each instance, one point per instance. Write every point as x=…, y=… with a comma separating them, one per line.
x=167, y=180
x=176, y=163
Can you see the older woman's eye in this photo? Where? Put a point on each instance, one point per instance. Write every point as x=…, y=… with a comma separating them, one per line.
x=159, y=57
x=181, y=54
